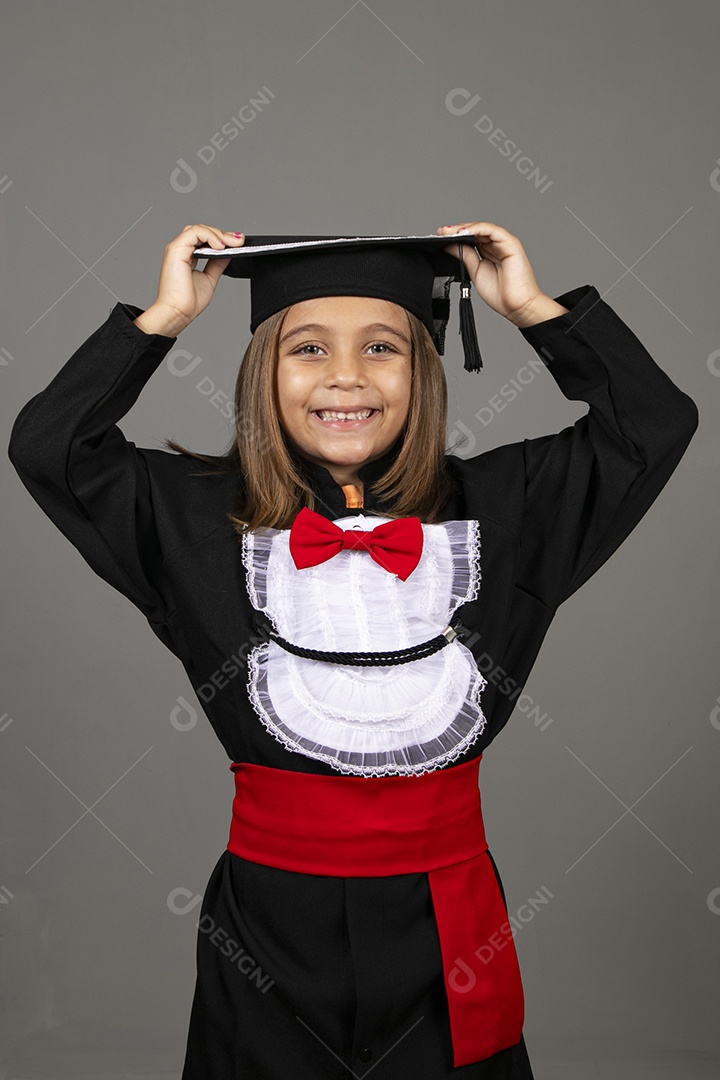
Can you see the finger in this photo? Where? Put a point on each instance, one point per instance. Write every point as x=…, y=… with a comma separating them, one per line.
x=214, y=268
x=197, y=234
x=235, y=239
x=194, y=236
x=487, y=228
x=468, y=255
x=486, y=233
x=483, y=237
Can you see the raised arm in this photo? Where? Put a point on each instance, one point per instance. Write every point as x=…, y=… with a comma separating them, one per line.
x=77, y=465
x=587, y=486
x=75, y=461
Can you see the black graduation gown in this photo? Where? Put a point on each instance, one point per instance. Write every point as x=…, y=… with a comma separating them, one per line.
x=342, y=975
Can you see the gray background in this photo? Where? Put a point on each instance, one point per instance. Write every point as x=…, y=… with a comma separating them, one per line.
x=611, y=802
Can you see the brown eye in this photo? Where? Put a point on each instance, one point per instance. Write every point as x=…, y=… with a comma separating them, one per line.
x=300, y=350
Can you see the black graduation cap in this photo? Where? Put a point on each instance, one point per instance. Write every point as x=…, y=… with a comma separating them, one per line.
x=413, y=271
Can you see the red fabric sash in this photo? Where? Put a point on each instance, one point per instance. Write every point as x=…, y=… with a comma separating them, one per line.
x=353, y=826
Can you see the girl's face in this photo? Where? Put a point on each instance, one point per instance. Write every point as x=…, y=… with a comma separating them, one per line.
x=344, y=355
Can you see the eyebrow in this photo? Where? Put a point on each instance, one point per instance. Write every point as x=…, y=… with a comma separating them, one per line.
x=319, y=327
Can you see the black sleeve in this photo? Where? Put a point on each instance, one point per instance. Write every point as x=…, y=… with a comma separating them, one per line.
x=78, y=466
x=587, y=486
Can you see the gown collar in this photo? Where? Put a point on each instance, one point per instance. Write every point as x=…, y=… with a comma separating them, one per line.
x=331, y=498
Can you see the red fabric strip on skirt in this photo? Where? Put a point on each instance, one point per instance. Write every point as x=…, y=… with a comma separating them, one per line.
x=353, y=826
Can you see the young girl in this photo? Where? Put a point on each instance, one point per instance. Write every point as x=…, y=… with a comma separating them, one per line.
x=331, y=585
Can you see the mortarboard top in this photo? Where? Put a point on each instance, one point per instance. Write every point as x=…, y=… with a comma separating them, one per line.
x=413, y=271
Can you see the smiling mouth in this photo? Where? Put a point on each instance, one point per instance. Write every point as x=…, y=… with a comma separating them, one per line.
x=329, y=416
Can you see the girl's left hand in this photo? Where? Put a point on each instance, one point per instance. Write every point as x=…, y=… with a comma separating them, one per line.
x=503, y=276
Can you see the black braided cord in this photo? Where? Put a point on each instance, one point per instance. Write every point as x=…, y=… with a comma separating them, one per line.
x=370, y=659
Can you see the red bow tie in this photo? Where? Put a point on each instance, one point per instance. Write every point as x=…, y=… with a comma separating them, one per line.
x=396, y=545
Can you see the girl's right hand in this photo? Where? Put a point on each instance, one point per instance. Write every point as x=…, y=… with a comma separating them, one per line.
x=183, y=291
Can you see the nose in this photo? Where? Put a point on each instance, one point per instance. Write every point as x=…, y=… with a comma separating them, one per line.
x=345, y=368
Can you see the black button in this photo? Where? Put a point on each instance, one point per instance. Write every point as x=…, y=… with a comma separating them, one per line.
x=365, y=1054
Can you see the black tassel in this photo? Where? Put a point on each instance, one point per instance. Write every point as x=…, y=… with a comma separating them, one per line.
x=473, y=359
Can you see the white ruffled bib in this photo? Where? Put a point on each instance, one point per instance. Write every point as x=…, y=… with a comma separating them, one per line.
x=372, y=721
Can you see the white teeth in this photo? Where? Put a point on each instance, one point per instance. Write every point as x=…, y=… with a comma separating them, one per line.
x=331, y=414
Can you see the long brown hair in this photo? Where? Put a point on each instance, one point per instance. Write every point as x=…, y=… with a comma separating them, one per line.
x=269, y=470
